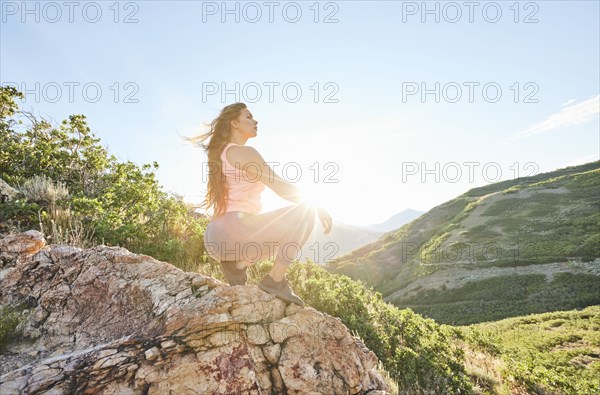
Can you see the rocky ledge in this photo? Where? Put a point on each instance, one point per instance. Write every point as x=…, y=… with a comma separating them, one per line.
x=105, y=320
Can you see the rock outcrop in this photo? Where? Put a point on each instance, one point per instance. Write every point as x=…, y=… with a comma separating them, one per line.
x=7, y=192
x=105, y=320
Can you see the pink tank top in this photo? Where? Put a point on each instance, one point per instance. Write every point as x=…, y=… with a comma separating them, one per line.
x=244, y=190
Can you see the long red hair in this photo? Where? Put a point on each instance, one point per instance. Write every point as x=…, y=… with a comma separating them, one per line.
x=218, y=136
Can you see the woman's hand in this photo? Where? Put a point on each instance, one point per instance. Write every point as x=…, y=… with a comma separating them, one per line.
x=325, y=219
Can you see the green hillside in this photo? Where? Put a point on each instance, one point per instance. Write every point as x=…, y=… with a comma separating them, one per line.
x=551, y=353
x=515, y=247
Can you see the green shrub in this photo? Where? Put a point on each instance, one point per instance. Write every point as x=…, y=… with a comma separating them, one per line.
x=10, y=318
x=76, y=193
x=550, y=353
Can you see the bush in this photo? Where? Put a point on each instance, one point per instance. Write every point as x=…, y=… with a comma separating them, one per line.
x=10, y=318
x=79, y=194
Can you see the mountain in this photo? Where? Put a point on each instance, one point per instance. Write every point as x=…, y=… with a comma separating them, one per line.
x=396, y=221
x=522, y=246
x=342, y=239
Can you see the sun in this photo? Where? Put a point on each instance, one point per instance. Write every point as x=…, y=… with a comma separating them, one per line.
x=311, y=192
x=329, y=196
x=322, y=189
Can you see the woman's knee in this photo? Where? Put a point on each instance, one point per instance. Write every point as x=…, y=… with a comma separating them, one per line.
x=307, y=205
x=306, y=211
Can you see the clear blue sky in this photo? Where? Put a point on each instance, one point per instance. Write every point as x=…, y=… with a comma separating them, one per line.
x=377, y=136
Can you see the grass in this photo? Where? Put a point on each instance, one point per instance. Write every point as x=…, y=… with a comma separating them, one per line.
x=504, y=296
x=550, y=353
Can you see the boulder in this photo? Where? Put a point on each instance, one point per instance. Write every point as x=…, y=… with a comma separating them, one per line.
x=7, y=192
x=104, y=320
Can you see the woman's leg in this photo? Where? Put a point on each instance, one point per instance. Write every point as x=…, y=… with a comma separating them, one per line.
x=248, y=239
x=222, y=240
x=237, y=236
x=282, y=233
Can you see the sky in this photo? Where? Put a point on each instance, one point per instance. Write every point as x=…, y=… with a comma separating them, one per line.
x=369, y=107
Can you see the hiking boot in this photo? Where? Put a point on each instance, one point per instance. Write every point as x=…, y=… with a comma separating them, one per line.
x=280, y=289
x=233, y=275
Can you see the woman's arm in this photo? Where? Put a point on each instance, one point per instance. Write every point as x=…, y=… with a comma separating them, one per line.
x=257, y=169
x=249, y=159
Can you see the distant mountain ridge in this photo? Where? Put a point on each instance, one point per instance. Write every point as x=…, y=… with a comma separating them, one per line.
x=345, y=237
x=342, y=239
x=396, y=221
x=435, y=264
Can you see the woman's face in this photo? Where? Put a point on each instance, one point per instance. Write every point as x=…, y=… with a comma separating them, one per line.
x=246, y=123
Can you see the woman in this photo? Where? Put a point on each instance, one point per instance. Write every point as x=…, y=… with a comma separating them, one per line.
x=238, y=234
